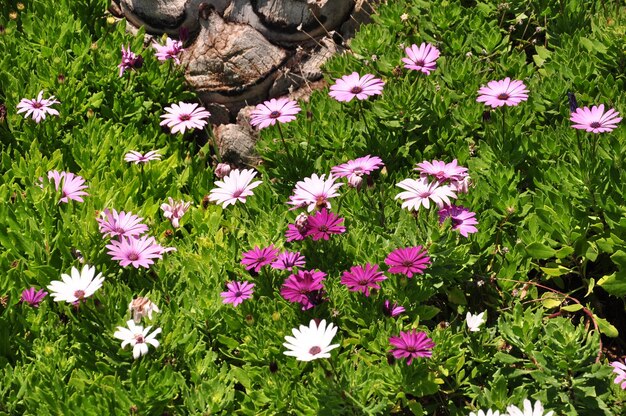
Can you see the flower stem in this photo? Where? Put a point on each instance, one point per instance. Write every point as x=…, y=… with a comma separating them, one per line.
x=282, y=138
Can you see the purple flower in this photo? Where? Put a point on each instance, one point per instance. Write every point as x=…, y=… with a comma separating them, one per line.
x=38, y=107
x=182, y=116
x=355, y=169
x=171, y=50
x=422, y=58
x=350, y=86
x=259, y=257
x=236, y=186
x=503, y=92
x=392, y=310
x=122, y=224
x=304, y=287
x=620, y=369
x=135, y=157
x=174, y=210
x=412, y=344
x=595, y=120
x=129, y=60
x=33, y=297
x=323, y=224
x=314, y=192
x=408, y=261
x=463, y=219
x=138, y=251
x=287, y=260
x=72, y=187
x=442, y=171
x=268, y=113
x=222, y=169
x=237, y=292
x=363, y=278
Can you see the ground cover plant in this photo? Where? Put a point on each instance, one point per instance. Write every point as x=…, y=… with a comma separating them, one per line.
x=440, y=231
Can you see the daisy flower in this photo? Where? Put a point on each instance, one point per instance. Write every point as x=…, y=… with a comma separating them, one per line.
x=442, y=171
x=114, y=224
x=135, y=157
x=141, y=307
x=312, y=342
x=296, y=233
x=33, y=296
x=463, y=220
x=392, y=309
x=171, y=50
x=182, y=116
x=412, y=344
x=503, y=92
x=138, y=251
x=350, y=86
x=77, y=286
x=222, y=169
x=72, y=187
x=237, y=292
x=363, y=278
x=129, y=60
x=408, y=261
x=259, y=257
x=303, y=287
x=489, y=413
x=174, y=210
x=287, y=260
x=268, y=113
x=620, y=369
x=474, y=322
x=422, y=58
x=420, y=192
x=38, y=107
x=355, y=169
x=528, y=409
x=323, y=224
x=137, y=337
x=314, y=192
x=595, y=120
x=237, y=186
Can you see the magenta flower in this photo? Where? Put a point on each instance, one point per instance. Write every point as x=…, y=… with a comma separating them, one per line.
x=38, y=107
x=420, y=193
x=304, y=287
x=183, y=116
x=171, y=50
x=237, y=186
x=620, y=369
x=135, y=157
x=72, y=187
x=299, y=229
x=442, y=171
x=353, y=85
x=138, y=251
x=287, y=260
x=314, y=192
x=355, y=169
x=259, y=257
x=174, y=210
x=422, y=58
x=222, y=170
x=363, y=278
x=266, y=114
x=503, y=92
x=463, y=220
x=412, y=344
x=237, y=292
x=595, y=120
x=33, y=297
x=392, y=310
x=323, y=224
x=114, y=224
x=408, y=261
x=129, y=60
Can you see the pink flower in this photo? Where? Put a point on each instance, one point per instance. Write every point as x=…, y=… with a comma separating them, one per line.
x=222, y=169
x=323, y=224
x=355, y=169
x=72, y=187
x=114, y=224
x=442, y=171
x=462, y=186
x=304, y=287
x=287, y=260
x=503, y=92
x=353, y=85
x=135, y=157
x=408, y=261
x=183, y=116
x=620, y=369
x=463, y=220
x=314, y=192
x=392, y=310
x=37, y=108
x=422, y=58
x=595, y=120
x=175, y=210
x=138, y=251
x=363, y=278
x=129, y=60
x=412, y=344
x=237, y=292
x=299, y=230
x=237, y=186
x=33, y=297
x=282, y=110
x=171, y=50
x=259, y=257
x=420, y=193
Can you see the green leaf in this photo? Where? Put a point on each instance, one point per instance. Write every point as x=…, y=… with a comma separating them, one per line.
x=614, y=283
x=572, y=308
x=540, y=251
x=606, y=328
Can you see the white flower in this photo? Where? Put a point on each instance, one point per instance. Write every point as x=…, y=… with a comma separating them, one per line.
x=138, y=337
x=141, y=307
x=312, y=342
x=175, y=210
x=489, y=413
x=528, y=409
x=474, y=321
x=78, y=286
x=420, y=192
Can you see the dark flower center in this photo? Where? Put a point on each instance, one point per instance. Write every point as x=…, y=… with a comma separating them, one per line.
x=139, y=339
x=238, y=293
x=275, y=114
x=419, y=62
x=595, y=125
x=424, y=194
x=315, y=350
x=37, y=105
x=79, y=294
x=184, y=117
x=323, y=228
x=237, y=193
x=411, y=348
x=504, y=96
x=261, y=259
x=363, y=282
x=407, y=263
x=456, y=222
x=133, y=256
x=356, y=90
